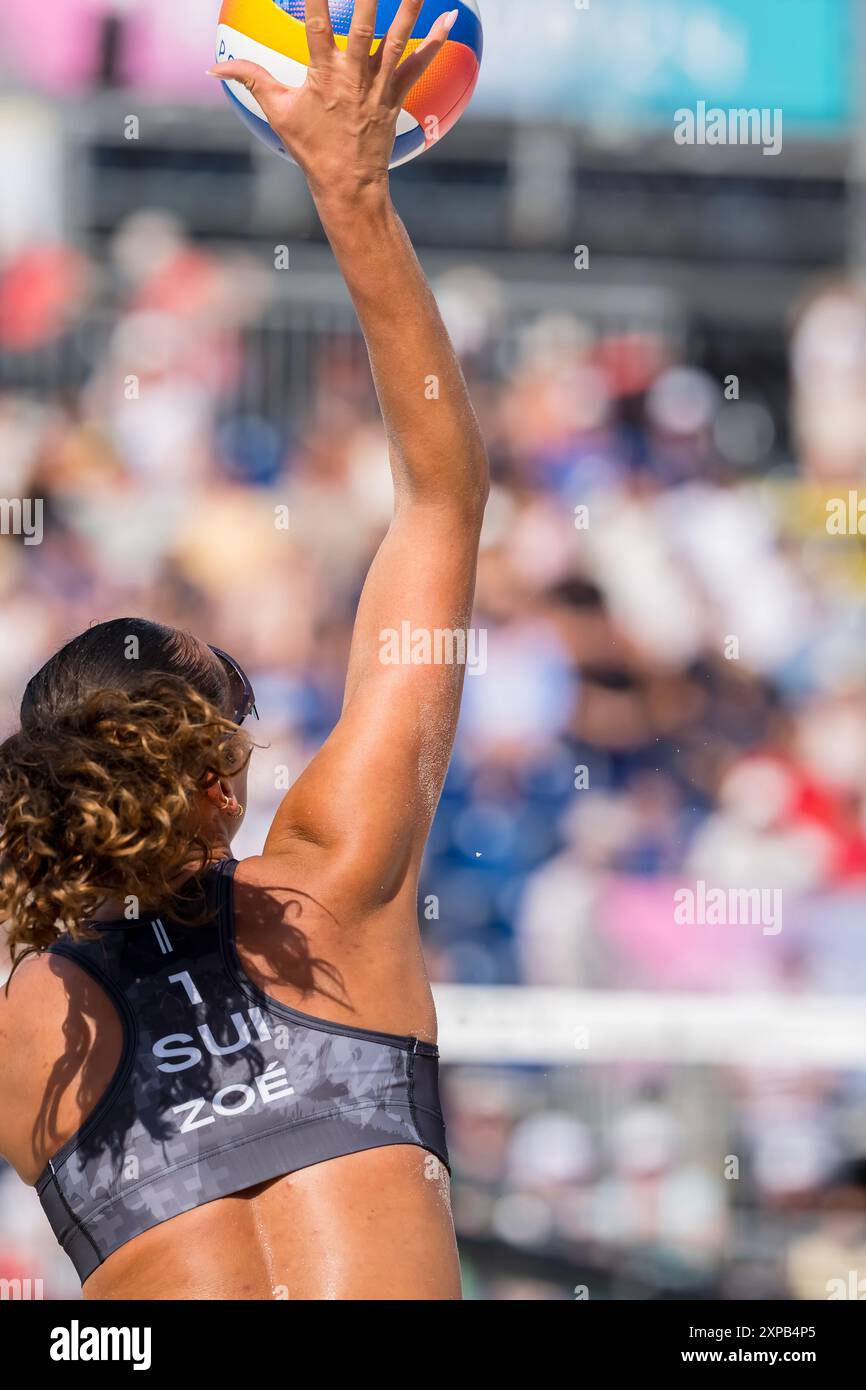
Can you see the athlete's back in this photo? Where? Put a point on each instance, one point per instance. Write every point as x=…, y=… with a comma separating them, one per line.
x=304, y=1235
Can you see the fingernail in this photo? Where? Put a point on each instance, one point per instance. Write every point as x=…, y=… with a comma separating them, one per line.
x=211, y=73
x=451, y=20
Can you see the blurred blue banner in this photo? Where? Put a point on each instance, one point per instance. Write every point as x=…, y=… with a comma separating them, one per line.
x=637, y=62
x=624, y=62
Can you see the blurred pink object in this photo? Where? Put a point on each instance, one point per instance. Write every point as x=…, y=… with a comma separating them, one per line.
x=51, y=46
x=637, y=918
x=56, y=47
x=40, y=292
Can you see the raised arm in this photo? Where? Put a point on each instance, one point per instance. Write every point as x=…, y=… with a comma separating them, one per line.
x=369, y=795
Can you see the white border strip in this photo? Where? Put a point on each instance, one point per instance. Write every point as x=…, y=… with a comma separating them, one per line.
x=576, y=1028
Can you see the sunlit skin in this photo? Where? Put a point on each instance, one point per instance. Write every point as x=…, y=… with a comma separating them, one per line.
x=349, y=836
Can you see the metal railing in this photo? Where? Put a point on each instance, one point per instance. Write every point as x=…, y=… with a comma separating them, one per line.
x=310, y=319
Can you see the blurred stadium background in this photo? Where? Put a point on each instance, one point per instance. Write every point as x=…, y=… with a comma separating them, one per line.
x=637, y=1109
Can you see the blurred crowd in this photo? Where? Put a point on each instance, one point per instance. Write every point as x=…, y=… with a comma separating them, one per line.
x=675, y=691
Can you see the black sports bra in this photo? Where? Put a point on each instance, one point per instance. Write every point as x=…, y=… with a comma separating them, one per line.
x=219, y=1087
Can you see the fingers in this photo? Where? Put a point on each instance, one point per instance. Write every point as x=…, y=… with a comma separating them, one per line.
x=258, y=81
x=362, y=34
x=393, y=46
x=320, y=35
x=418, y=62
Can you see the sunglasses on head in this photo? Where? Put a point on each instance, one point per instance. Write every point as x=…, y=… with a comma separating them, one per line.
x=241, y=695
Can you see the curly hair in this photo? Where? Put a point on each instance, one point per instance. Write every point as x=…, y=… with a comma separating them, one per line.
x=98, y=789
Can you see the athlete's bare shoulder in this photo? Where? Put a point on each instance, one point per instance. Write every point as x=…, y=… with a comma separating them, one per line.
x=301, y=877
x=58, y=1031
x=27, y=1001
x=35, y=988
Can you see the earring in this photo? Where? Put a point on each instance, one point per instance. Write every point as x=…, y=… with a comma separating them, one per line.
x=236, y=815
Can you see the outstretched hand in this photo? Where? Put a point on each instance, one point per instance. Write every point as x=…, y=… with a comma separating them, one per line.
x=340, y=126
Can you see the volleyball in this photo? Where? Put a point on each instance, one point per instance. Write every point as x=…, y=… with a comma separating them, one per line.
x=272, y=33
